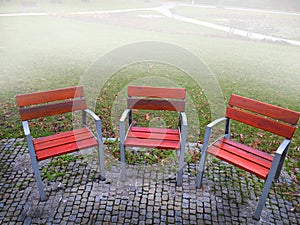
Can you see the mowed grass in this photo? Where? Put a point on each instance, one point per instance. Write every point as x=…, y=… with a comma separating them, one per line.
x=61, y=6
x=39, y=53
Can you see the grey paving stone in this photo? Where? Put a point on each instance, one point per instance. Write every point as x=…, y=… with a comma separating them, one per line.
x=147, y=196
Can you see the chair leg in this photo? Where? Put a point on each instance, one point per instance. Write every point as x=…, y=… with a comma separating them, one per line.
x=267, y=186
x=203, y=153
x=184, y=129
x=182, y=150
x=262, y=199
x=39, y=181
x=35, y=167
x=201, y=170
x=180, y=167
x=38, y=178
x=122, y=150
x=101, y=161
x=100, y=146
x=123, y=161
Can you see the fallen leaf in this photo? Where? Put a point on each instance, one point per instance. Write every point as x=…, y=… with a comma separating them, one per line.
x=242, y=137
x=296, y=180
x=260, y=134
x=147, y=116
x=242, y=175
x=255, y=143
x=294, y=209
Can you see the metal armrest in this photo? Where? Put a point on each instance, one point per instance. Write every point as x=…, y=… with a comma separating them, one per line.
x=98, y=124
x=280, y=155
x=28, y=137
x=283, y=147
x=208, y=131
x=278, y=159
x=183, y=126
x=215, y=122
x=29, y=140
x=26, y=128
x=124, y=115
x=122, y=124
x=92, y=114
x=183, y=119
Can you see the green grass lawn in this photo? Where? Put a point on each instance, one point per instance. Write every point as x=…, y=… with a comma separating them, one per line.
x=39, y=53
x=15, y=6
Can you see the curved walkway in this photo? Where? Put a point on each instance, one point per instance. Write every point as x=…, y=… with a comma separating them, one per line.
x=165, y=9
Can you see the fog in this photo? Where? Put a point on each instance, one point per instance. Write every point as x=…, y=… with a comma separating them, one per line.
x=43, y=41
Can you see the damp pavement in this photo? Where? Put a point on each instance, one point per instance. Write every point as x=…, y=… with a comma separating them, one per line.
x=148, y=195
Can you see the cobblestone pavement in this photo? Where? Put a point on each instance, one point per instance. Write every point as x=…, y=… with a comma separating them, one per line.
x=148, y=196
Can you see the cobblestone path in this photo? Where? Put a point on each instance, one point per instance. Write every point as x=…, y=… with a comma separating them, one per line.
x=148, y=196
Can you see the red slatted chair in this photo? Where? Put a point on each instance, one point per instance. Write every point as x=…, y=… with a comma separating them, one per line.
x=264, y=116
x=50, y=103
x=154, y=98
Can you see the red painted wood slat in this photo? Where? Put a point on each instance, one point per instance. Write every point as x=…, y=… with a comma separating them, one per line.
x=52, y=109
x=240, y=162
x=153, y=138
x=61, y=135
x=52, y=142
x=159, y=136
x=262, y=108
x=151, y=104
x=49, y=96
x=246, y=148
x=261, y=122
x=152, y=143
x=243, y=154
x=67, y=148
x=156, y=92
x=155, y=130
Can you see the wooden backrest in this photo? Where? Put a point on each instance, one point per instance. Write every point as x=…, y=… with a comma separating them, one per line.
x=156, y=98
x=264, y=116
x=51, y=102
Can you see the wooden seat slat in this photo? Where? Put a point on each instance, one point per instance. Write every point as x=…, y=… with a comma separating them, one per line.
x=243, y=154
x=152, y=143
x=246, y=148
x=66, y=148
x=71, y=137
x=61, y=135
x=159, y=136
x=240, y=162
x=155, y=130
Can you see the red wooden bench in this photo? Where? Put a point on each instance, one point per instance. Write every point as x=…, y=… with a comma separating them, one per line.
x=155, y=98
x=274, y=119
x=50, y=103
